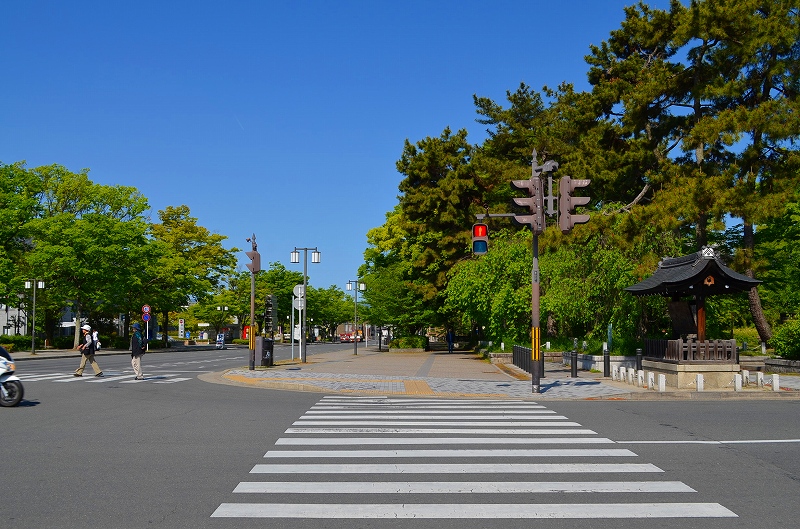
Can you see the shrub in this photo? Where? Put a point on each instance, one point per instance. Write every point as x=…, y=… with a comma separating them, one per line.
x=786, y=340
x=409, y=342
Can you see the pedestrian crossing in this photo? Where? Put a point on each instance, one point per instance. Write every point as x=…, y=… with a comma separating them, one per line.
x=121, y=377
x=384, y=458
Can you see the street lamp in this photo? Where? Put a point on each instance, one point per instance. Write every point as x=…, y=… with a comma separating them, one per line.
x=355, y=286
x=33, y=284
x=295, y=258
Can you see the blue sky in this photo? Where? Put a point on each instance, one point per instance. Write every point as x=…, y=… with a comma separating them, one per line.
x=283, y=119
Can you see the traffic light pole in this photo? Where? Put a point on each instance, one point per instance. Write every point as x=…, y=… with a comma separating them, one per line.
x=536, y=366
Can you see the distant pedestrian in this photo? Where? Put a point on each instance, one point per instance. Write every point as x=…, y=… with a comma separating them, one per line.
x=96, y=340
x=87, y=349
x=138, y=345
x=450, y=340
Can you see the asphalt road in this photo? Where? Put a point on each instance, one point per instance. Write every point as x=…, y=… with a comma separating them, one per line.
x=170, y=452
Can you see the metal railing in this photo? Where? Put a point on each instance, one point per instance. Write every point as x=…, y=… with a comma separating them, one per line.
x=521, y=358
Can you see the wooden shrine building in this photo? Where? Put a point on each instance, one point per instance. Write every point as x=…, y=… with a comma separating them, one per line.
x=687, y=281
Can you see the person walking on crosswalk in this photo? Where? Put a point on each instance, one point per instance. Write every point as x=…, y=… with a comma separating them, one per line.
x=138, y=343
x=88, y=350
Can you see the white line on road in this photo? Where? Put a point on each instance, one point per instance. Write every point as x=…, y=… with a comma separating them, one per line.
x=468, y=431
x=496, y=441
x=428, y=416
x=482, y=511
x=546, y=452
x=733, y=441
x=434, y=423
x=458, y=487
x=454, y=468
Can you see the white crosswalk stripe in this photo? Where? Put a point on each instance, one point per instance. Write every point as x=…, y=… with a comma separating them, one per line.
x=436, y=434
x=121, y=377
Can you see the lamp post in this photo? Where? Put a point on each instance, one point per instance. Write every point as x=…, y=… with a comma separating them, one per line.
x=295, y=258
x=224, y=311
x=355, y=286
x=33, y=284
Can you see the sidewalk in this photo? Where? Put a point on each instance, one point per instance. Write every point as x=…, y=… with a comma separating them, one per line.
x=457, y=375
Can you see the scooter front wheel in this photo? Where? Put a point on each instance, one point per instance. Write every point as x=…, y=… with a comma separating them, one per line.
x=11, y=393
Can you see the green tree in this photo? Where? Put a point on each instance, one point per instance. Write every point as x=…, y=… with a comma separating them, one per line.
x=190, y=263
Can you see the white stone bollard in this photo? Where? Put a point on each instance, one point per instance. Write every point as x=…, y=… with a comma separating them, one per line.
x=630, y=376
x=776, y=382
x=651, y=380
x=745, y=377
x=614, y=372
x=700, y=382
x=640, y=378
x=759, y=379
x=737, y=382
x=622, y=374
x=662, y=382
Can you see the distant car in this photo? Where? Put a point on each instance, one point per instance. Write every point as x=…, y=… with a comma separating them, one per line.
x=160, y=337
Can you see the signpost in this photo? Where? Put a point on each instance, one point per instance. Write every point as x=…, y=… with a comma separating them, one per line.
x=146, y=320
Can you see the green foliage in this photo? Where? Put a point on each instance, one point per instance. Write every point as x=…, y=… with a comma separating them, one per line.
x=786, y=340
x=409, y=342
x=749, y=336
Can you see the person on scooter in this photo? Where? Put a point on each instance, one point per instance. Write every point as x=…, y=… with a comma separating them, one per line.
x=87, y=348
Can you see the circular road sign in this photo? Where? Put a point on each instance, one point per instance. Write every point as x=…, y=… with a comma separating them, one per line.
x=146, y=309
x=299, y=303
x=299, y=291
x=146, y=316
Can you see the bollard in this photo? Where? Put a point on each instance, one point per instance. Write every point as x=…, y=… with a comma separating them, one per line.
x=615, y=373
x=737, y=382
x=622, y=374
x=700, y=382
x=745, y=377
x=630, y=377
x=760, y=379
x=638, y=359
x=606, y=361
x=662, y=382
x=776, y=382
x=573, y=368
x=651, y=380
x=640, y=378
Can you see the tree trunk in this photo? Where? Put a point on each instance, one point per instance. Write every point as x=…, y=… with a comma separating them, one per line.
x=165, y=329
x=760, y=321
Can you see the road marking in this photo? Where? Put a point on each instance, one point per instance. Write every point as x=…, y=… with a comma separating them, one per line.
x=469, y=431
x=459, y=487
x=732, y=441
x=454, y=468
x=341, y=441
x=37, y=378
x=482, y=511
x=459, y=413
x=545, y=452
x=428, y=416
x=423, y=423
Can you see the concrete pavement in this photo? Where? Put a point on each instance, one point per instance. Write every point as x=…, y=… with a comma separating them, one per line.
x=457, y=375
x=460, y=374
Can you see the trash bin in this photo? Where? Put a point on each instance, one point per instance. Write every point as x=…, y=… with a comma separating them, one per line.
x=267, y=349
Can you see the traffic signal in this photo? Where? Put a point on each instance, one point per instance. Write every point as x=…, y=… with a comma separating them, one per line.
x=535, y=204
x=567, y=203
x=480, y=238
x=255, y=261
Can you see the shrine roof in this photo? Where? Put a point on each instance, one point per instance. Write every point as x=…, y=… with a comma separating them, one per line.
x=701, y=272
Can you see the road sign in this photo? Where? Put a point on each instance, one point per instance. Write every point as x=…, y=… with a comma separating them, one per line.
x=146, y=309
x=299, y=303
x=299, y=291
x=146, y=316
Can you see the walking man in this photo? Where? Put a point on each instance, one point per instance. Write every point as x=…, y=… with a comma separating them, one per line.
x=137, y=350
x=87, y=348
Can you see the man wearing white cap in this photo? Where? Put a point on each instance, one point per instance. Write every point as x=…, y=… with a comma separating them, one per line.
x=87, y=348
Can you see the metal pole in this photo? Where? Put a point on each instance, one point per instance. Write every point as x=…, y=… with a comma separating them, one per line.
x=251, y=334
x=536, y=371
x=355, y=319
x=304, y=313
x=33, y=328
x=291, y=329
